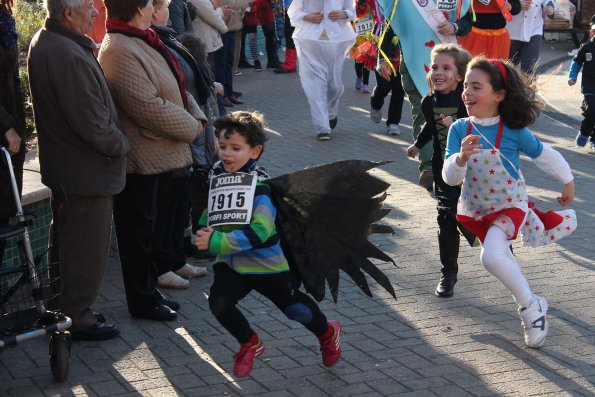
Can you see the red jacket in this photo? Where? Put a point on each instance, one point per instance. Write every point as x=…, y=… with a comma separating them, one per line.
x=261, y=13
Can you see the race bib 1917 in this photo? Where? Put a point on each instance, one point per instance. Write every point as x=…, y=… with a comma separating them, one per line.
x=230, y=199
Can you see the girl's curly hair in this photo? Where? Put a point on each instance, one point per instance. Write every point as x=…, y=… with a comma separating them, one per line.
x=521, y=106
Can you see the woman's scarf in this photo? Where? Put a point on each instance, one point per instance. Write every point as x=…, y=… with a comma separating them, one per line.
x=118, y=26
x=8, y=31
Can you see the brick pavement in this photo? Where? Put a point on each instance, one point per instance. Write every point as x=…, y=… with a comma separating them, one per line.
x=418, y=345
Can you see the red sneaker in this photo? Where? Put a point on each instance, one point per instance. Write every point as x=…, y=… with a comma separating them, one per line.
x=244, y=359
x=331, y=348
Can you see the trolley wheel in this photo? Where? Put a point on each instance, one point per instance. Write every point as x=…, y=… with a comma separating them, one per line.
x=60, y=355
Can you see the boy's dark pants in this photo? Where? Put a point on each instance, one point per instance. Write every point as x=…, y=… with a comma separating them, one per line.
x=383, y=87
x=230, y=287
x=588, y=123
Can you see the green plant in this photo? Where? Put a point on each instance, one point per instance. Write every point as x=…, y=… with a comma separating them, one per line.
x=29, y=16
x=24, y=77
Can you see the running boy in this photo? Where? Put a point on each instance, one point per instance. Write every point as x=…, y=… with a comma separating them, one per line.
x=249, y=256
x=584, y=59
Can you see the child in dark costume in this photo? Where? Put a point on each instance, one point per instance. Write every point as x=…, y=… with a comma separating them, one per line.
x=250, y=256
x=440, y=108
x=584, y=59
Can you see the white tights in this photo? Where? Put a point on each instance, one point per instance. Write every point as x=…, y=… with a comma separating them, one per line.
x=497, y=259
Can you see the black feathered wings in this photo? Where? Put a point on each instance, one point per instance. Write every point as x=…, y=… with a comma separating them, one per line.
x=324, y=217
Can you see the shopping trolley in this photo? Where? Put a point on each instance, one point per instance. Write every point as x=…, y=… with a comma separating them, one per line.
x=25, y=291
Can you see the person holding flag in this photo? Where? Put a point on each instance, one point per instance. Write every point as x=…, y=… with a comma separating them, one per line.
x=420, y=25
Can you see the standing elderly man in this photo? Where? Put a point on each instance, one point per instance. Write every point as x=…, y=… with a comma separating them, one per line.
x=82, y=154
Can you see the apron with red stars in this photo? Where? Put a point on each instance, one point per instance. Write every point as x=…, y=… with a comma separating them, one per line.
x=491, y=196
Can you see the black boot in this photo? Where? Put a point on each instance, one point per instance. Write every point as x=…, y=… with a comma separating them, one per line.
x=448, y=244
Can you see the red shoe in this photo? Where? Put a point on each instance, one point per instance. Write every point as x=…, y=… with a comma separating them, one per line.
x=331, y=347
x=244, y=359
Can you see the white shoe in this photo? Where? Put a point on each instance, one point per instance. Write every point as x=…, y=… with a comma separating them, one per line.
x=573, y=52
x=172, y=280
x=189, y=271
x=535, y=323
x=376, y=115
x=393, y=129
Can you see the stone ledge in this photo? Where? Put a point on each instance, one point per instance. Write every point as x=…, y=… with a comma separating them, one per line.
x=33, y=189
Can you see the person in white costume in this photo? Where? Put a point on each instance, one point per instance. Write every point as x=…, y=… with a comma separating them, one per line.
x=323, y=35
x=526, y=32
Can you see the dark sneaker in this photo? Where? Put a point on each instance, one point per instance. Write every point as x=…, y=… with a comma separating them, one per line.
x=257, y=66
x=333, y=123
x=244, y=359
x=331, y=348
x=445, y=287
x=323, y=136
x=581, y=140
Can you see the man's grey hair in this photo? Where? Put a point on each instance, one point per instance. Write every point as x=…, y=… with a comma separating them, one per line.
x=55, y=8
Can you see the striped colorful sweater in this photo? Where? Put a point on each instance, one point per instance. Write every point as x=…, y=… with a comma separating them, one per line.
x=253, y=248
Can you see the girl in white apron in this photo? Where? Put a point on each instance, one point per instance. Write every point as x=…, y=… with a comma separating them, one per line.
x=483, y=153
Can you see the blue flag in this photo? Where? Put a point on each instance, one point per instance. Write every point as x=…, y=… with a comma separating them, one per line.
x=411, y=23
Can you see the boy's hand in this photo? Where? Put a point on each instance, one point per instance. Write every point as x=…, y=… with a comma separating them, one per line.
x=203, y=237
x=571, y=82
x=469, y=146
x=567, y=194
x=412, y=151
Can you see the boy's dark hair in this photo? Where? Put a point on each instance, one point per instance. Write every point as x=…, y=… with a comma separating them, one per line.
x=520, y=107
x=250, y=125
x=458, y=53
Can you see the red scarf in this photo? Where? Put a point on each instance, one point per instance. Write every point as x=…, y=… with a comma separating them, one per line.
x=118, y=26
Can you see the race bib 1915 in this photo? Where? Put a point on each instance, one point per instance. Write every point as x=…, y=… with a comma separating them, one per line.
x=230, y=199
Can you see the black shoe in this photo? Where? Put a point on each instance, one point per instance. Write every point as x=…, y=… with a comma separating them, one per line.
x=98, y=331
x=333, y=123
x=257, y=66
x=172, y=304
x=273, y=65
x=157, y=313
x=284, y=71
x=244, y=64
x=235, y=100
x=99, y=317
x=237, y=94
x=445, y=287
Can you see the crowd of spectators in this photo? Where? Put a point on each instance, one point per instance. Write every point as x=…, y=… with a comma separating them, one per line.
x=142, y=146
